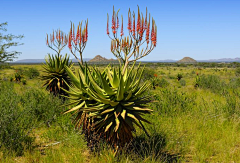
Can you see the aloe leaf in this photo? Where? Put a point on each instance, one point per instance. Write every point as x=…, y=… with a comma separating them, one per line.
x=73, y=78
x=117, y=124
x=108, y=126
x=123, y=114
x=115, y=79
x=120, y=93
x=106, y=87
x=107, y=111
x=75, y=108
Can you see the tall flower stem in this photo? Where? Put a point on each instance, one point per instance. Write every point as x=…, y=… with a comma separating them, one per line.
x=130, y=48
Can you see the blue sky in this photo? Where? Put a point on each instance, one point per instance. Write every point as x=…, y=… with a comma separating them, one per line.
x=201, y=29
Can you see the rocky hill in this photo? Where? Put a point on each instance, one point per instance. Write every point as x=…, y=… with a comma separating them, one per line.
x=187, y=60
x=99, y=58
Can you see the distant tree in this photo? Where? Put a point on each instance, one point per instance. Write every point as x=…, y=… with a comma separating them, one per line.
x=7, y=41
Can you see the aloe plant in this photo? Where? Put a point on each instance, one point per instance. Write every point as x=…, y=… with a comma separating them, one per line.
x=55, y=75
x=113, y=104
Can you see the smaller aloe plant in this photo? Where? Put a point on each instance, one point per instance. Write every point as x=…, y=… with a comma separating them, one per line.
x=56, y=76
x=197, y=81
x=179, y=76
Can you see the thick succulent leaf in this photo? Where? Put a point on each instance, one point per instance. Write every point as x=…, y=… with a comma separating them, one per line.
x=73, y=78
x=133, y=117
x=75, y=108
x=123, y=114
x=136, y=85
x=142, y=119
x=106, y=87
x=128, y=96
x=115, y=79
x=108, y=126
x=97, y=88
x=120, y=93
x=117, y=124
x=128, y=104
x=110, y=76
x=143, y=88
x=142, y=109
x=107, y=111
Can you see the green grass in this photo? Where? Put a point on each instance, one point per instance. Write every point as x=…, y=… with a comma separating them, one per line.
x=188, y=124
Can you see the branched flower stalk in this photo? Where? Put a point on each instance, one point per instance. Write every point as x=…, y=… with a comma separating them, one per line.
x=128, y=48
x=78, y=42
x=57, y=41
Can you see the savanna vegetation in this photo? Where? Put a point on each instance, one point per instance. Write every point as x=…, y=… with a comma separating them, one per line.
x=127, y=112
x=188, y=123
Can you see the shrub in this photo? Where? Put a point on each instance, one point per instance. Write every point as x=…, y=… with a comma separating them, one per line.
x=182, y=82
x=32, y=73
x=179, y=76
x=15, y=122
x=148, y=74
x=171, y=102
x=159, y=82
x=237, y=71
x=212, y=82
x=20, y=113
x=24, y=81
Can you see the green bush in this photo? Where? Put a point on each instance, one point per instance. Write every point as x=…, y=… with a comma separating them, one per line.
x=213, y=83
x=148, y=74
x=237, y=71
x=179, y=76
x=31, y=73
x=15, y=122
x=159, y=82
x=182, y=82
x=171, y=102
x=20, y=113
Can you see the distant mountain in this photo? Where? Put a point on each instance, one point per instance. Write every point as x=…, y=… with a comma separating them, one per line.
x=167, y=60
x=99, y=58
x=221, y=60
x=187, y=60
x=43, y=60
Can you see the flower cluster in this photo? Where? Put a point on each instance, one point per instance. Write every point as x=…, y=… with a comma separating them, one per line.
x=58, y=40
x=128, y=49
x=80, y=38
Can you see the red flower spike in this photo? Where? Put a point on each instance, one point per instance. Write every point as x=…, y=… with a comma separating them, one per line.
x=155, y=75
x=145, y=27
x=77, y=37
x=47, y=40
x=155, y=35
x=133, y=29
x=53, y=37
x=107, y=25
x=122, y=28
x=86, y=34
x=129, y=21
x=138, y=21
x=147, y=33
x=69, y=41
x=73, y=33
x=117, y=22
x=59, y=35
x=113, y=20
